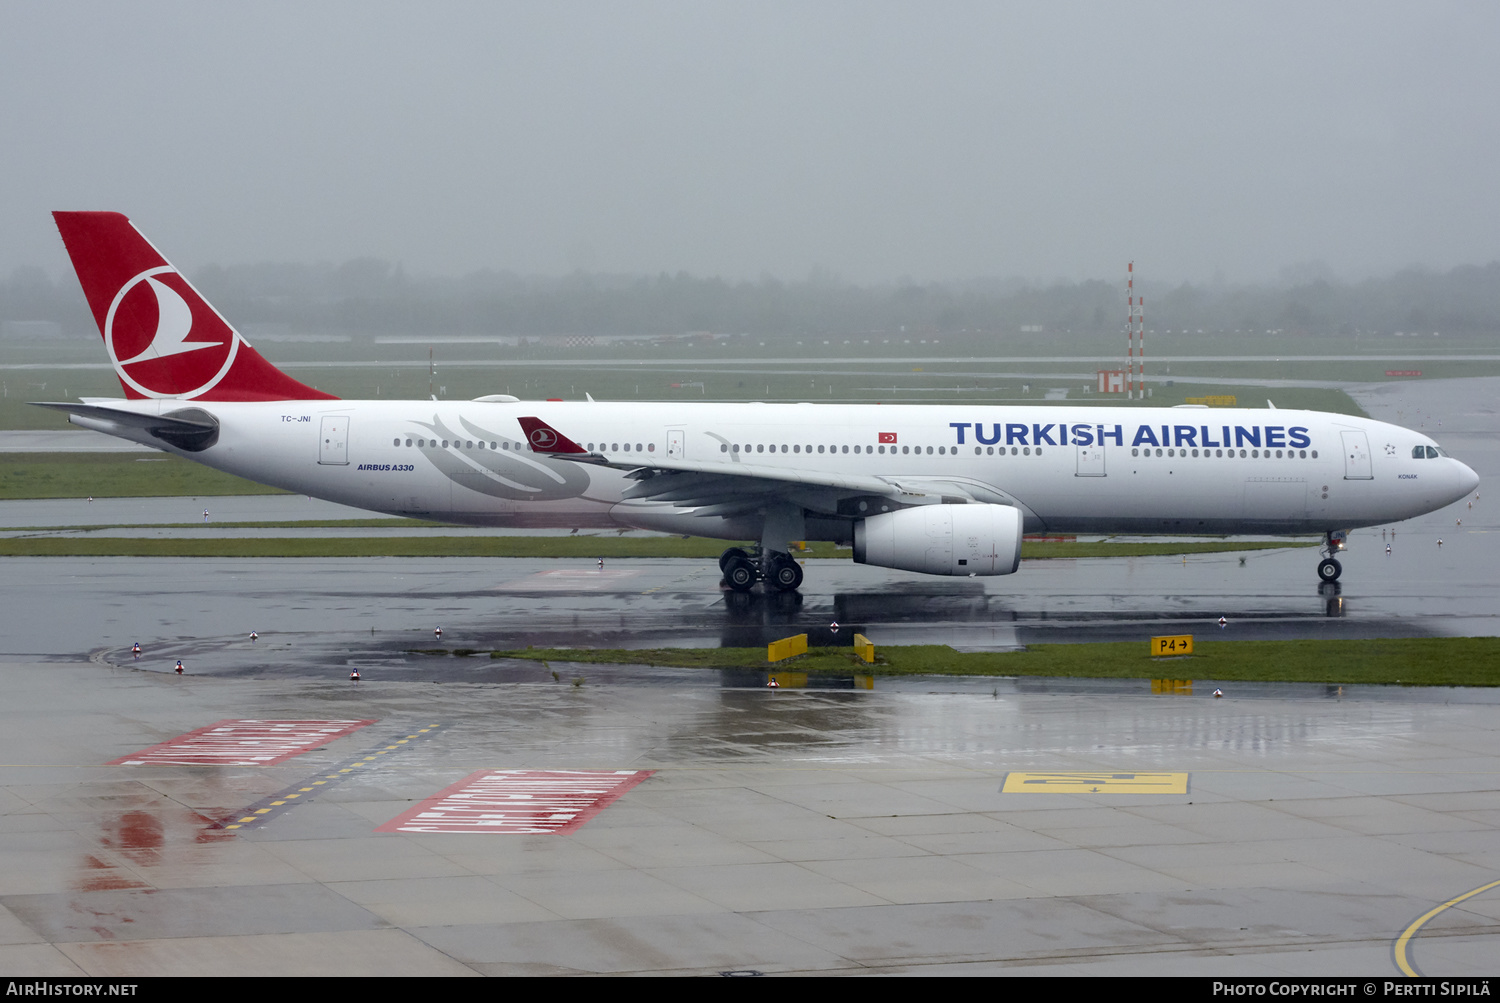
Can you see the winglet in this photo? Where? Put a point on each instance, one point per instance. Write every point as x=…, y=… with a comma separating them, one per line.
x=546, y=439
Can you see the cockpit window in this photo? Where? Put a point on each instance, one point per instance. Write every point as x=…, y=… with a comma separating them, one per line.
x=1418, y=453
x=1432, y=452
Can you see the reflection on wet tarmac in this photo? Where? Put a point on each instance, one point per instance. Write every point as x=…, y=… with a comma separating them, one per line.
x=797, y=814
x=314, y=621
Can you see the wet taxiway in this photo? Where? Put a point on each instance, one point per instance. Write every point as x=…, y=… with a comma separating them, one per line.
x=813, y=830
x=315, y=613
x=782, y=831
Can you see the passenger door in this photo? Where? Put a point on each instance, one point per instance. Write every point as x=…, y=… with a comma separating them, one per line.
x=333, y=444
x=1357, y=456
x=1090, y=461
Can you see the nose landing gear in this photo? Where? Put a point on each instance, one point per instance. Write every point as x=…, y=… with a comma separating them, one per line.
x=1329, y=568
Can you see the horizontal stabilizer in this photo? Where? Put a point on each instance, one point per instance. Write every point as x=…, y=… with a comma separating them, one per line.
x=191, y=429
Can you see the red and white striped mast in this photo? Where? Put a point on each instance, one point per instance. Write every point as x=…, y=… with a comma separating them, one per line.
x=1140, y=333
x=1130, y=332
x=1135, y=326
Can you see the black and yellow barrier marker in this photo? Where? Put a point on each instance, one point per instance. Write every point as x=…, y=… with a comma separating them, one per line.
x=787, y=647
x=864, y=648
x=277, y=804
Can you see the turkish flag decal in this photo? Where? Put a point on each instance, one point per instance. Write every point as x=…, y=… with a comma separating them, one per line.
x=887, y=437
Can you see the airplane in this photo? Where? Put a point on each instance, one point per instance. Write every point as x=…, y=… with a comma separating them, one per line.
x=934, y=489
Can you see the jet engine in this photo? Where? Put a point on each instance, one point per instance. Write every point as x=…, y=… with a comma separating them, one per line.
x=942, y=539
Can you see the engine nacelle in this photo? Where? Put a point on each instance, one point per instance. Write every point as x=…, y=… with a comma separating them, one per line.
x=942, y=539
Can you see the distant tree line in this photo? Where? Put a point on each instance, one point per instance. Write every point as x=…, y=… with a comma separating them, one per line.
x=377, y=297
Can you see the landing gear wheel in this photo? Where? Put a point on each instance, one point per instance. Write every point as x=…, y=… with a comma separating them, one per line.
x=730, y=555
x=1330, y=569
x=740, y=574
x=785, y=574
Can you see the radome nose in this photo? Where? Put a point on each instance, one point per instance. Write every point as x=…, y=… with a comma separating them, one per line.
x=1468, y=480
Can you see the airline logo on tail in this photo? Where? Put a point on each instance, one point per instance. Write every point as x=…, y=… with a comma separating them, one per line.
x=151, y=322
x=164, y=339
x=546, y=439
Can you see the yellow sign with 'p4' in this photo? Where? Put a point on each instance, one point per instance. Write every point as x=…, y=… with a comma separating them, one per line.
x=1175, y=644
x=1095, y=783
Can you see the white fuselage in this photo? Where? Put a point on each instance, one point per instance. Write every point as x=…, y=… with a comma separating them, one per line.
x=1069, y=469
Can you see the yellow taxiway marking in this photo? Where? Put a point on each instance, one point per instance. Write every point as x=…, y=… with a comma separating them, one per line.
x=1407, y=968
x=1095, y=783
x=265, y=809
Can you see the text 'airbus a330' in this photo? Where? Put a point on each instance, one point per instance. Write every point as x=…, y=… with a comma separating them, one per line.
x=940, y=490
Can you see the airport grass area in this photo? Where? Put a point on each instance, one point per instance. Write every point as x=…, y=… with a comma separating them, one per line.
x=1444, y=661
x=116, y=475
x=940, y=381
x=559, y=547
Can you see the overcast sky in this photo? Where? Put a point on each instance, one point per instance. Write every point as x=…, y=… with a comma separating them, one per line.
x=876, y=141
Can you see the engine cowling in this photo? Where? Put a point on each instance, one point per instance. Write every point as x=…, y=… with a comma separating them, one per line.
x=942, y=539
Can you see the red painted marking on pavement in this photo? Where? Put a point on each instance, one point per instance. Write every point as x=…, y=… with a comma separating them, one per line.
x=532, y=801
x=241, y=743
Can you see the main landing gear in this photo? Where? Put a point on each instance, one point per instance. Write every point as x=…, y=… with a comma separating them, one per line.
x=743, y=568
x=1329, y=568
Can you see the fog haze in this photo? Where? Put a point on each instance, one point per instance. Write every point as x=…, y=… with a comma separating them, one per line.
x=871, y=142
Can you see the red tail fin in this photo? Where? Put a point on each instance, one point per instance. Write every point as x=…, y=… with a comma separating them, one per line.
x=162, y=336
